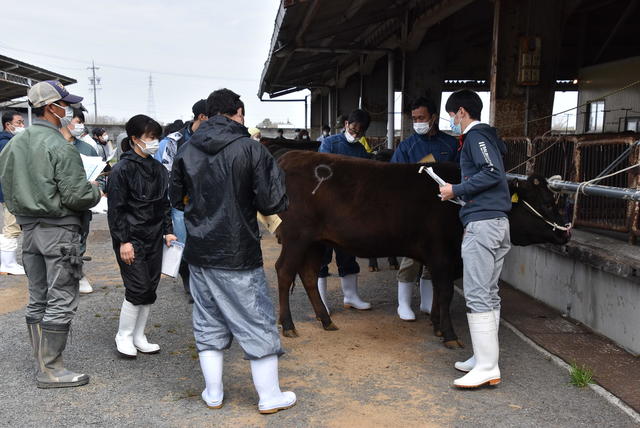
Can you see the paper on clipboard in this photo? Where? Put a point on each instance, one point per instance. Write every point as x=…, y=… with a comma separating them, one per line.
x=270, y=222
x=93, y=166
x=171, y=257
x=440, y=182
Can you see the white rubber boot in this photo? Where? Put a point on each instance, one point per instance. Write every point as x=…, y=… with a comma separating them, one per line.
x=265, y=379
x=484, y=337
x=8, y=262
x=426, y=295
x=85, y=286
x=322, y=289
x=405, y=289
x=211, y=363
x=350, y=290
x=124, y=338
x=139, y=338
x=467, y=366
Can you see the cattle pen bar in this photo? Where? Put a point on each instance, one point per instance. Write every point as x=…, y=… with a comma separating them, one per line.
x=588, y=189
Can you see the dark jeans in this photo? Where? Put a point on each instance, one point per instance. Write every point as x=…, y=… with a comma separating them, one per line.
x=347, y=264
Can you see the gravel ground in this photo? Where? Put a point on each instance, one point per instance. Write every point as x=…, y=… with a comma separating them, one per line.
x=375, y=371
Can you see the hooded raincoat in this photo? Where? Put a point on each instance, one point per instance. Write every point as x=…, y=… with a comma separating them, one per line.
x=139, y=213
x=221, y=179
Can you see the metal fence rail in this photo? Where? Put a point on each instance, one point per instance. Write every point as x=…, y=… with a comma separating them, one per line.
x=554, y=156
x=518, y=154
x=614, y=203
x=591, y=158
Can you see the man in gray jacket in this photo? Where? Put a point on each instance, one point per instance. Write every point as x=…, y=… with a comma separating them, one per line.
x=45, y=187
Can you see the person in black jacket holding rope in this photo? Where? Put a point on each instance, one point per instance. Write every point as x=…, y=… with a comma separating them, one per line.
x=140, y=223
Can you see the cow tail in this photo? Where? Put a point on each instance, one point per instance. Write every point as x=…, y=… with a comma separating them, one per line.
x=293, y=285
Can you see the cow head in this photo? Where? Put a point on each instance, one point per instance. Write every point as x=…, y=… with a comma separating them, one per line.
x=534, y=217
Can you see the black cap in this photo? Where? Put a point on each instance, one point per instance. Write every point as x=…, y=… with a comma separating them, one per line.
x=200, y=107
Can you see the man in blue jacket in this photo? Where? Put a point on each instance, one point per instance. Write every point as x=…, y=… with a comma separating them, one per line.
x=426, y=144
x=345, y=143
x=169, y=147
x=485, y=191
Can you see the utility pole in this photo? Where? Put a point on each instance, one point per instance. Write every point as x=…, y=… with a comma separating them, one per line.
x=94, y=82
x=151, y=103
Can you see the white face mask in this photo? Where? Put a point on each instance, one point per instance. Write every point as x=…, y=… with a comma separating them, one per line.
x=68, y=115
x=77, y=130
x=17, y=130
x=105, y=137
x=350, y=138
x=151, y=147
x=421, y=127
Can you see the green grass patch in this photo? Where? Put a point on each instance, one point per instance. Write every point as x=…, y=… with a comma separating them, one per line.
x=581, y=376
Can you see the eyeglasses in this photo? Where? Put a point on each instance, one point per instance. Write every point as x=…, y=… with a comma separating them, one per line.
x=357, y=132
x=18, y=122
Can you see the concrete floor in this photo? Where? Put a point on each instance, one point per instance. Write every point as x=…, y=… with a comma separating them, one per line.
x=375, y=371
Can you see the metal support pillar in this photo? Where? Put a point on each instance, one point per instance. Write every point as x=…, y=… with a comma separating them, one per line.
x=390, y=102
x=331, y=110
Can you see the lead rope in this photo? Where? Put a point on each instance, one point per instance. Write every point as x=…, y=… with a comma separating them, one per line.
x=552, y=224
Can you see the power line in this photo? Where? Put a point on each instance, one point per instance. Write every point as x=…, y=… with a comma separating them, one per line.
x=140, y=70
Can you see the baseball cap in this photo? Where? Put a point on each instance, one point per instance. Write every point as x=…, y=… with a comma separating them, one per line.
x=50, y=91
x=200, y=107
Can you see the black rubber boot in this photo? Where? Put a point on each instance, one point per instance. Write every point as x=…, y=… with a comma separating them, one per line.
x=35, y=333
x=51, y=372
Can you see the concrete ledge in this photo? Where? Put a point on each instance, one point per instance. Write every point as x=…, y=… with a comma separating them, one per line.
x=602, y=253
x=593, y=280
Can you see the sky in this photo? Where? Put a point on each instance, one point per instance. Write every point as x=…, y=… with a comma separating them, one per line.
x=191, y=48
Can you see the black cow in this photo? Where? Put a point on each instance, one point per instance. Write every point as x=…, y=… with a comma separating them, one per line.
x=330, y=203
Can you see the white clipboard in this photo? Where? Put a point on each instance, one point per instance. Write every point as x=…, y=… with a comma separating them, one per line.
x=93, y=166
x=440, y=182
x=171, y=258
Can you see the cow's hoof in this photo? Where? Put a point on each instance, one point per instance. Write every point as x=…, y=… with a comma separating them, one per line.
x=331, y=327
x=373, y=269
x=394, y=267
x=290, y=333
x=454, y=344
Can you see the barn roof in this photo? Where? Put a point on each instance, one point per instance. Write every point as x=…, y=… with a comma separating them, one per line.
x=321, y=43
x=312, y=38
x=16, y=77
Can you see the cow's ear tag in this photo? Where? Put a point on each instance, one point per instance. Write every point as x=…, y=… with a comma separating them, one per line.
x=514, y=198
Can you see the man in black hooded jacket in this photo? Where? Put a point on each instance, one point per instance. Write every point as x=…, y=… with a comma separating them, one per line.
x=221, y=179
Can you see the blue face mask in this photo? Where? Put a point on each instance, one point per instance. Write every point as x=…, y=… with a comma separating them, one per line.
x=457, y=129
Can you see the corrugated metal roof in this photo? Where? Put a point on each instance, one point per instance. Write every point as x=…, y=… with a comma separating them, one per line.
x=16, y=77
x=325, y=24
